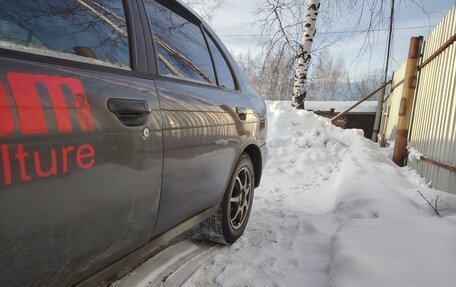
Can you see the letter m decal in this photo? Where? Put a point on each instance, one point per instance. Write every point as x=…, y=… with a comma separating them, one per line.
x=6, y=115
x=30, y=110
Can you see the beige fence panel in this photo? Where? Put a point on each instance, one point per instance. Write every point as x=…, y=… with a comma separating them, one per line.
x=392, y=104
x=433, y=126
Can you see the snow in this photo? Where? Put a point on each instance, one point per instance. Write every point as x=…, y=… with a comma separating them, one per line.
x=339, y=106
x=334, y=210
x=413, y=155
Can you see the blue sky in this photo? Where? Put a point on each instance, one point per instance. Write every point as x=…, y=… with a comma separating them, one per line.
x=234, y=23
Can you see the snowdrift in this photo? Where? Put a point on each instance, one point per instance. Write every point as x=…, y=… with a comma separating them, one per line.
x=334, y=210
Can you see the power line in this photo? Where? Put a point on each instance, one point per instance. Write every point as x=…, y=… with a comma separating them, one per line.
x=390, y=36
x=378, y=114
x=333, y=32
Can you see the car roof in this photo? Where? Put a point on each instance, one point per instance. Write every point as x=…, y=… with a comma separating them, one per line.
x=187, y=7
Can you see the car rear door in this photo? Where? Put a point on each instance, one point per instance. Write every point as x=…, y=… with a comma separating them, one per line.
x=202, y=129
x=80, y=139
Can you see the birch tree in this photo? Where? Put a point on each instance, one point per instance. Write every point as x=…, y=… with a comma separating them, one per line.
x=304, y=54
x=282, y=24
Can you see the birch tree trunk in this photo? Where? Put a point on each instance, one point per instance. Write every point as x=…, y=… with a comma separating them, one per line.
x=303, y=58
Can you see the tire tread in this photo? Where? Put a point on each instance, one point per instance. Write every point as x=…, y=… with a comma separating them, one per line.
x=214, y=228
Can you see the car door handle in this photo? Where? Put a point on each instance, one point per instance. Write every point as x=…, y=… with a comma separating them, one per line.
x=130, y=112
x=242, y=113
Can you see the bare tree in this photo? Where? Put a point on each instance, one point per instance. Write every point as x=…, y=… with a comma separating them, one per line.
x=281, y=22
x=359, y=88
x=272, y=78
x=329, y=79
x=326, y=81
x=249, y=65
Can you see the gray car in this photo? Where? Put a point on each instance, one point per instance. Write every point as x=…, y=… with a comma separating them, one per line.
x=122, y=124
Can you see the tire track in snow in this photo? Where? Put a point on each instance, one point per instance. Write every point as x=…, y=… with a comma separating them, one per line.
x=171, y=266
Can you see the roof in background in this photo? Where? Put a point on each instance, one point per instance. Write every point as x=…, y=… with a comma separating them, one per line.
x=339, y=106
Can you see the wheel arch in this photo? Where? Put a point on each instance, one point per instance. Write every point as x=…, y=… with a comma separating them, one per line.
x=255, y=155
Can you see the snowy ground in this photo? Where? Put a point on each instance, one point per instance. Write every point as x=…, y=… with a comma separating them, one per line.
x=332, y=210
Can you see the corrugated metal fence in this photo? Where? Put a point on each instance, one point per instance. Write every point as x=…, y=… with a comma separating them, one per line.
x=432, y=130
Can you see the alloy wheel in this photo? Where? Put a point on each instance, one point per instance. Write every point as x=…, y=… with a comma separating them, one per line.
x=240, y=198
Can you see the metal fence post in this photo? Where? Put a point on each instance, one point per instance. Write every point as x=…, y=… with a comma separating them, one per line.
x=408, y=92
x=385, y=115
x=378, y=115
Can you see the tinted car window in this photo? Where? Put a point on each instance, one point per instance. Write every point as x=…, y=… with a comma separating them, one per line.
x=224, y=75
x=181, y=48
x=93, y=30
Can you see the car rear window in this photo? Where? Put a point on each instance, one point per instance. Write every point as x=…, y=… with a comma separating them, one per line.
x=181, y=48
x=93, y=31
x=224, y=74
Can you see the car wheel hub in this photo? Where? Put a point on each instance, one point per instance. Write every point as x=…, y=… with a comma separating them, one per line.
x=240, y=198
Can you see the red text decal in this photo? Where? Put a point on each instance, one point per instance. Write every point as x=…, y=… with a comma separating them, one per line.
x=29, y=107
x=25, y=164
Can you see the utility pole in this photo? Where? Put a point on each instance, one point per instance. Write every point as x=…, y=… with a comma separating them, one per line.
x=408, y=93
x=378, y=115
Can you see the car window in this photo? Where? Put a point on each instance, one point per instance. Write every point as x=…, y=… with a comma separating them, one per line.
x=224, y=74
x=89, y=30
x=180, y=45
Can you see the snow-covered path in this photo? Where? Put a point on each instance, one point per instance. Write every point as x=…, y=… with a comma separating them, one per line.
x=333, y=210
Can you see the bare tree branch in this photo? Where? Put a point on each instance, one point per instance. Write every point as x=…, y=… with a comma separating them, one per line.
x=433, y=206
x=102, y=17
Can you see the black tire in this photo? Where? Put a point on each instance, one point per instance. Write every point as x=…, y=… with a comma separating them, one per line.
x=224, y=227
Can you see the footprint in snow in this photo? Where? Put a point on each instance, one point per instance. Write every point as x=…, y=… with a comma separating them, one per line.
x=274, y=142
x=277, y=170
x=295, y=123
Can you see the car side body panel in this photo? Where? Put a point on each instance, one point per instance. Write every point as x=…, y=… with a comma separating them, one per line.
x=77, y=189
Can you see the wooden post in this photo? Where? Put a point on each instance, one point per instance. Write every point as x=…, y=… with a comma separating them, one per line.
x=408, y=93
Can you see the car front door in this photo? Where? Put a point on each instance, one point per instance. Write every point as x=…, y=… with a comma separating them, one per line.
x=80, y=140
